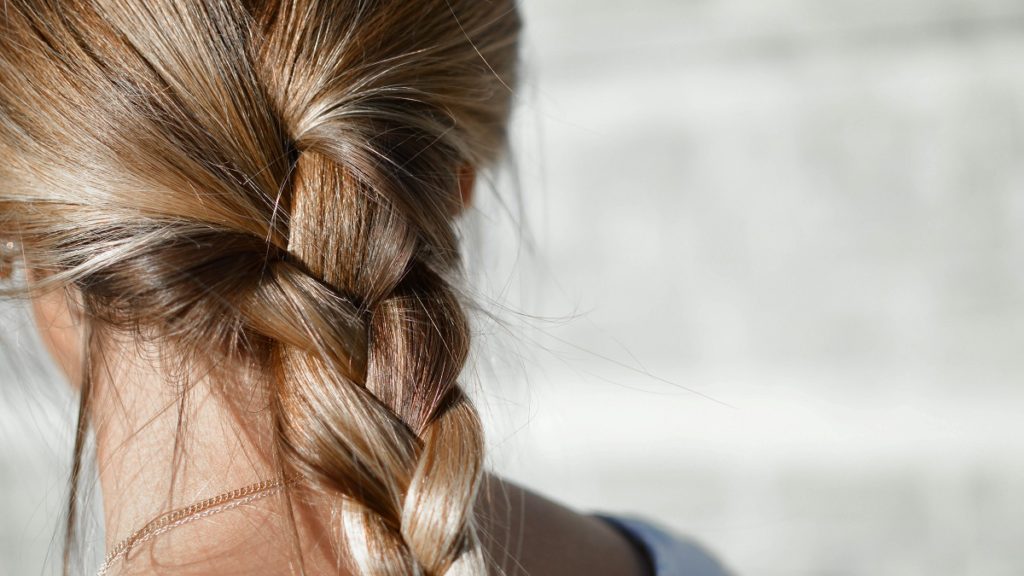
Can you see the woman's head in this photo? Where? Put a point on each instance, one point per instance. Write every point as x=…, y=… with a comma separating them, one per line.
x=269, y=188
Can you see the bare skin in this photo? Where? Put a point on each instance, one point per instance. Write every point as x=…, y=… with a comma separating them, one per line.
x=136, y=419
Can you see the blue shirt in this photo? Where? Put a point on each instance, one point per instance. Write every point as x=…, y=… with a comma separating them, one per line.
x=669, y=555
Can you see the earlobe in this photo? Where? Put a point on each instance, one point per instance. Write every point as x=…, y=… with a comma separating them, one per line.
x=467, y=181
x=7, y=256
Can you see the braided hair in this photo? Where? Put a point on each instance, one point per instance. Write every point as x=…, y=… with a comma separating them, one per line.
x=273, y=184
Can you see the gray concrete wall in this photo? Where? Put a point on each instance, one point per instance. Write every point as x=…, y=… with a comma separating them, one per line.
x=810, y=211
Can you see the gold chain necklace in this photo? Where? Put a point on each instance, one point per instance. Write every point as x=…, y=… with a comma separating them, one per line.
x=182, y=516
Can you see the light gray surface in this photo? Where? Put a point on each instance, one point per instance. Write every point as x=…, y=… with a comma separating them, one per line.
x=810, y=212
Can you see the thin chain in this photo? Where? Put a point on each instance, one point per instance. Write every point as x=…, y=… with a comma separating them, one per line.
x=199, y=510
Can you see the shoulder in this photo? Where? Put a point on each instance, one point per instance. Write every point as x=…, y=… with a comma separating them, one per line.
x=526, y=533
x=669, y=554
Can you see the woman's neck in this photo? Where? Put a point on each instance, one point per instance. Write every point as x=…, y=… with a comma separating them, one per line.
x=161, y=448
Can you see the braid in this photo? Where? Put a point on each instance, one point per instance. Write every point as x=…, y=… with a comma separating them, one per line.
x=378, y=156
x=273, y=183
x=387, y=354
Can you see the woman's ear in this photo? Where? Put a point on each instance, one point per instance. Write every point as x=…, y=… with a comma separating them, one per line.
x=467, y=181
x=62, y=329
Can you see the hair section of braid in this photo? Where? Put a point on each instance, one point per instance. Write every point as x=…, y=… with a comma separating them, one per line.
x=272, y=185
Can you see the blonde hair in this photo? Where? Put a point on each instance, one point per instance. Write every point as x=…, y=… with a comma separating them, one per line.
x=272, y=185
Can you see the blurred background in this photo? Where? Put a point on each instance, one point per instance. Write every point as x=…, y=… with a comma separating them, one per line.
x=757, y=275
